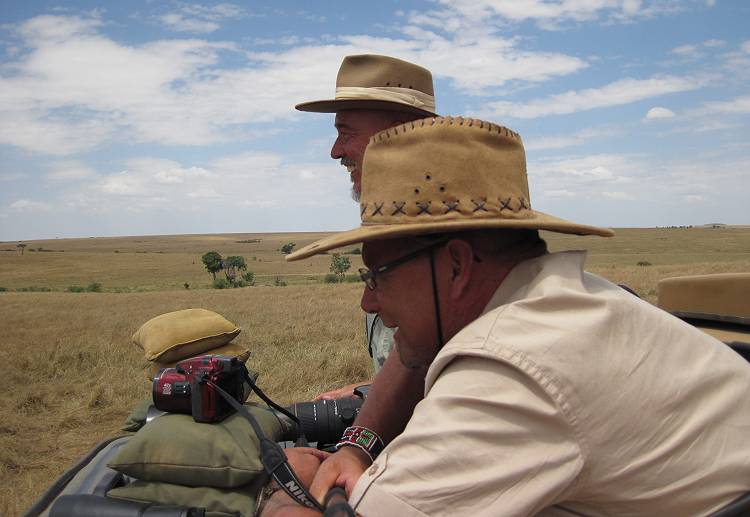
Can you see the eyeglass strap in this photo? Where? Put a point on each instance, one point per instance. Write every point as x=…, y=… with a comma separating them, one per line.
x=438, y=321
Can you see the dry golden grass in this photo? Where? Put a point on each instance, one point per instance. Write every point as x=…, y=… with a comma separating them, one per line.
x=72, y=374
x=153, y=263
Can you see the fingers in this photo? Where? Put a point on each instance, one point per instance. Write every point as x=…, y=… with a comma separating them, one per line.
x=324, y=480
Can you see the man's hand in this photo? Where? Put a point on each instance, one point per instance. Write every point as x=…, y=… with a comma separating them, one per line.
x=343, y=468
x=346, y=391
x=305, y=462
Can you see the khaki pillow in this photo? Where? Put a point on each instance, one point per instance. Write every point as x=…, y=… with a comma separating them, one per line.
x=180, y=334
x=217, y=502
x=176, y=449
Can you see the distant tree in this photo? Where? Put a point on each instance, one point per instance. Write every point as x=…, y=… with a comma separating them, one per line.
x=340, y=265
x=21, y=247
x=249, y=277
x=232, y=265
x=213, y=263
x=287, y=248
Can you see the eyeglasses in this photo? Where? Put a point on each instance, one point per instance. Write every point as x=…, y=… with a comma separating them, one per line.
x=368, y=276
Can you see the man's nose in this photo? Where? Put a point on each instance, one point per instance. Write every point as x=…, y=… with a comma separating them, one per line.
x=369, y=301
x=337, y=151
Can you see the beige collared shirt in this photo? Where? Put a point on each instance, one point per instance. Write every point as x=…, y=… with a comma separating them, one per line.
x=570, y=396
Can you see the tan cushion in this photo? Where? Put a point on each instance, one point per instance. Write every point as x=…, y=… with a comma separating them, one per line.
x=176, y=335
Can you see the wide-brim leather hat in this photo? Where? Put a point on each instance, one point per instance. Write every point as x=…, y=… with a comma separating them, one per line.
x=444, y=174
x=369, y=81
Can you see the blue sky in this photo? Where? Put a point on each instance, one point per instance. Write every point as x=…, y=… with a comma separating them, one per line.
x=145, y=117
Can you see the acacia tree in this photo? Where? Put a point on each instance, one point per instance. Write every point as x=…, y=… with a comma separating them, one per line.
x=21, y=246
x=233, y=264
x=212, y=261
x=287, y=248
x=340, y=265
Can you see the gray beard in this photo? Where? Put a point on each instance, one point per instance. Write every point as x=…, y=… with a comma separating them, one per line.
x=355, y=195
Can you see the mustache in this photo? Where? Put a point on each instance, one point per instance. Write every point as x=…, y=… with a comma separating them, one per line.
x=346, y=162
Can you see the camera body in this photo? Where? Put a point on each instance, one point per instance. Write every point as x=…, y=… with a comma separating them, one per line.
x=184, y=388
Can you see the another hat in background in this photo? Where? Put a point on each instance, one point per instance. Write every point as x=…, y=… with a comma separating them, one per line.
x=370, y=81
x=444, y=174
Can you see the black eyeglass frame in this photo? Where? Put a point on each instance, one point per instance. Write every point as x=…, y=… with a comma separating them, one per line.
x=368, y=275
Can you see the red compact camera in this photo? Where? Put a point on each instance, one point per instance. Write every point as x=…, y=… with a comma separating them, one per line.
x=185, y=388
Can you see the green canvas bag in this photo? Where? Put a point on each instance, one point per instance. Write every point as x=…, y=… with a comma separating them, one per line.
x=175, y=449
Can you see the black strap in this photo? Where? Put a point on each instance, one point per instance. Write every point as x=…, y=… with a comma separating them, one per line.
x=438, y=321
x=271, y=454
x=337, y=504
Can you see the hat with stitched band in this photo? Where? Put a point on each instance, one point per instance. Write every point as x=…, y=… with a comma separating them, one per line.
x=444, y=174
x=369, y=81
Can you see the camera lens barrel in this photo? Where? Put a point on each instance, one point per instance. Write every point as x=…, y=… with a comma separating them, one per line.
x=324, y=421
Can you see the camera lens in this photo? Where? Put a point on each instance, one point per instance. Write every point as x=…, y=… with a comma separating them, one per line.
x=324, y=421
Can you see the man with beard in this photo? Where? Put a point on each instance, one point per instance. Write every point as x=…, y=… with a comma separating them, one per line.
x=374, y=93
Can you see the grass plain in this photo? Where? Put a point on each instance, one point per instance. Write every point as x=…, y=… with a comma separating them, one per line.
x=72, y=373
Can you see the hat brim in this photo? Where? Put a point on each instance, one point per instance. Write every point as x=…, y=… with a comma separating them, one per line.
x=333, y=106
x=369, y=232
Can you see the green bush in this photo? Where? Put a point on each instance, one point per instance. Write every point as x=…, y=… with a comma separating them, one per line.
x=221, y=283
x=249, y=277
x=34, y=289
x=355, y=251
x=279, y=282
x=353, y=278
x=76, y=289
x=644, y=263
x=3, y=289
x=331, y=278
x=94, y=287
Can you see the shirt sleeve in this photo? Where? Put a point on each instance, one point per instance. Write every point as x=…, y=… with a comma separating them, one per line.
x=486, y=440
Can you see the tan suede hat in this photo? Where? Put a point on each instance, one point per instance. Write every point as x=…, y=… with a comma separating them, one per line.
x=718, y=304
x=370, y=81
x=444, y=174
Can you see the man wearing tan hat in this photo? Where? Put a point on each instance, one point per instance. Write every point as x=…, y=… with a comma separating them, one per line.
x=549, y=390
x=374, y=93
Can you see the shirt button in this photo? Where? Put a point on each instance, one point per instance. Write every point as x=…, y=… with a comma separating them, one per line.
x=373, y=470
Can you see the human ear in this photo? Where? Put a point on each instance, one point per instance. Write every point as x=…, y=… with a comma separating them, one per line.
x=461, y=263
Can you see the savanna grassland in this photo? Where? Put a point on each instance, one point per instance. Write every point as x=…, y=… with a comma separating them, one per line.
x=72, y=373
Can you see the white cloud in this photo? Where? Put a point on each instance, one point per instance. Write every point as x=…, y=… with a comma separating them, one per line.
x=200, y=19
x=685, y=50
x=618, y=196
x=714, y=43
x=745, y=47
x=26, y=205
x=694, y=199
x=7, y=177
x=69, y=170
x=567, y=140
x=659, y=113
x=74, y=89
x=620, y=92
x=736, y=106
x=553, y=14
x=559, y=193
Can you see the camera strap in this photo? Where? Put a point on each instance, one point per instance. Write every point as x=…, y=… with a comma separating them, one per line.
x=271, y=454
